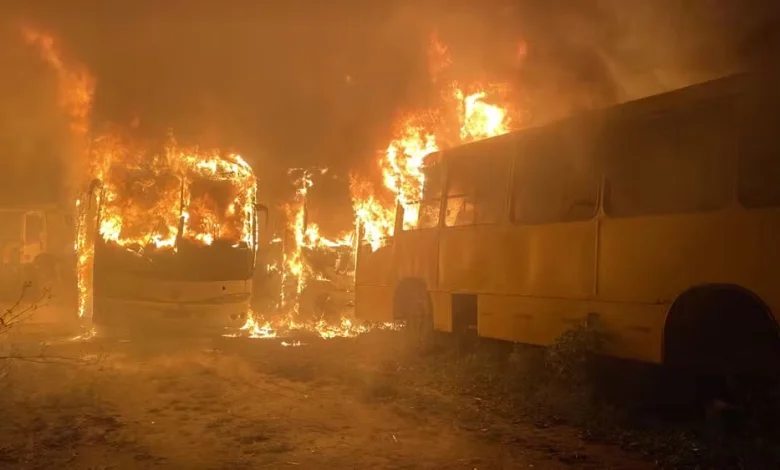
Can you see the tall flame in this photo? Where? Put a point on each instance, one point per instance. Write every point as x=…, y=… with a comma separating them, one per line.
x=75, y=86
x=417, y=135
x=75, y=90
x=302, y=242
x=145, y=198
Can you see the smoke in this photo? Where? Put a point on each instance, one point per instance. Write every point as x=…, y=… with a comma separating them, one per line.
x=585, y=54
x=321, y=86
x=34, y=133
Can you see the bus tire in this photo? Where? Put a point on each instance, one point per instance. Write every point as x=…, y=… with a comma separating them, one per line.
x=718, y=335
x=412, y=305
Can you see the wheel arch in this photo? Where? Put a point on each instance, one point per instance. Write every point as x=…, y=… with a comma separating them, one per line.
x=695, y=299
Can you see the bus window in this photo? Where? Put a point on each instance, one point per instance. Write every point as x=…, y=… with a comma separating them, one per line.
x=671, y=163
x=491, y=188
x=759, y=166
x=555, y=180
x=425, y=213
x=461, y=189
x=476, y=190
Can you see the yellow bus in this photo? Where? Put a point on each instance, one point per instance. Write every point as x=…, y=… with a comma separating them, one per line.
x=657, y=220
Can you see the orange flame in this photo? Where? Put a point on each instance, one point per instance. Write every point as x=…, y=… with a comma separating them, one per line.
x=417, y=135
x=296, y=272
x=257, y=327
x=150, y=199
x=75, y=90
x=147, y=199
x=306, y=236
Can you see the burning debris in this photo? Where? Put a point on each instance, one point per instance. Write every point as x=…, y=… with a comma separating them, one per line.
x=286, y=326
x=312, y=271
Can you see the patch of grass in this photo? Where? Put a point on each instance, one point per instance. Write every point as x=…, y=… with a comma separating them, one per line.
x=381, y=388
x=568, y=383
x=46, y=428
x=297, y=372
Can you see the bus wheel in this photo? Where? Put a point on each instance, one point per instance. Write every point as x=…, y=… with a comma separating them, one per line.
x=719, y=336
x=412, y=305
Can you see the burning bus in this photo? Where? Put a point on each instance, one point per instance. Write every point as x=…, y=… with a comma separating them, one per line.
x=169, y=237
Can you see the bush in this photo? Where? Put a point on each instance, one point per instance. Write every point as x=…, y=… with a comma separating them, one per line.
x=557, y=383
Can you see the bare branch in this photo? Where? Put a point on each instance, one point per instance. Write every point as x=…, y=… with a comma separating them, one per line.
x=16, y=314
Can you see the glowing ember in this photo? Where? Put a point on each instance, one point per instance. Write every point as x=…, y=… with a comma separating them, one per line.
x=286, y=326
x=87, y=335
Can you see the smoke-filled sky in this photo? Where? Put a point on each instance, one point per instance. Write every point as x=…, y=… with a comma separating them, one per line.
x=304, y=82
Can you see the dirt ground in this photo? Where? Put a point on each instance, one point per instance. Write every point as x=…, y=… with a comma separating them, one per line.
x=241, y=403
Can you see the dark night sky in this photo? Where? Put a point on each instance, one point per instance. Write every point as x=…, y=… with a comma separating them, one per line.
x=270, y=78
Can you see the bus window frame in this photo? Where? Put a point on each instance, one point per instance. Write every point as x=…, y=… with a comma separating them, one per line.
x=678, y=111
x=539, y=133
x=400, y=209
x=509, y=158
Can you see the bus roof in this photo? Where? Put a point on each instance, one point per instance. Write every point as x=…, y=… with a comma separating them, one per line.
x=731, y=84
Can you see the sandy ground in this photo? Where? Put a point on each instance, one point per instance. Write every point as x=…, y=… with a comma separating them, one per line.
x=240, y=403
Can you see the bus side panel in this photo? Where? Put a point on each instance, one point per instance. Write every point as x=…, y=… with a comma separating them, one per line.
x=374, y=303
x=442, y=311
x=635, y=331
x=654, y=259
x=374, y=267
x=767, y=223
x=470, y=258
x=556, y=260
x=128, y=287
x=415, y=256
